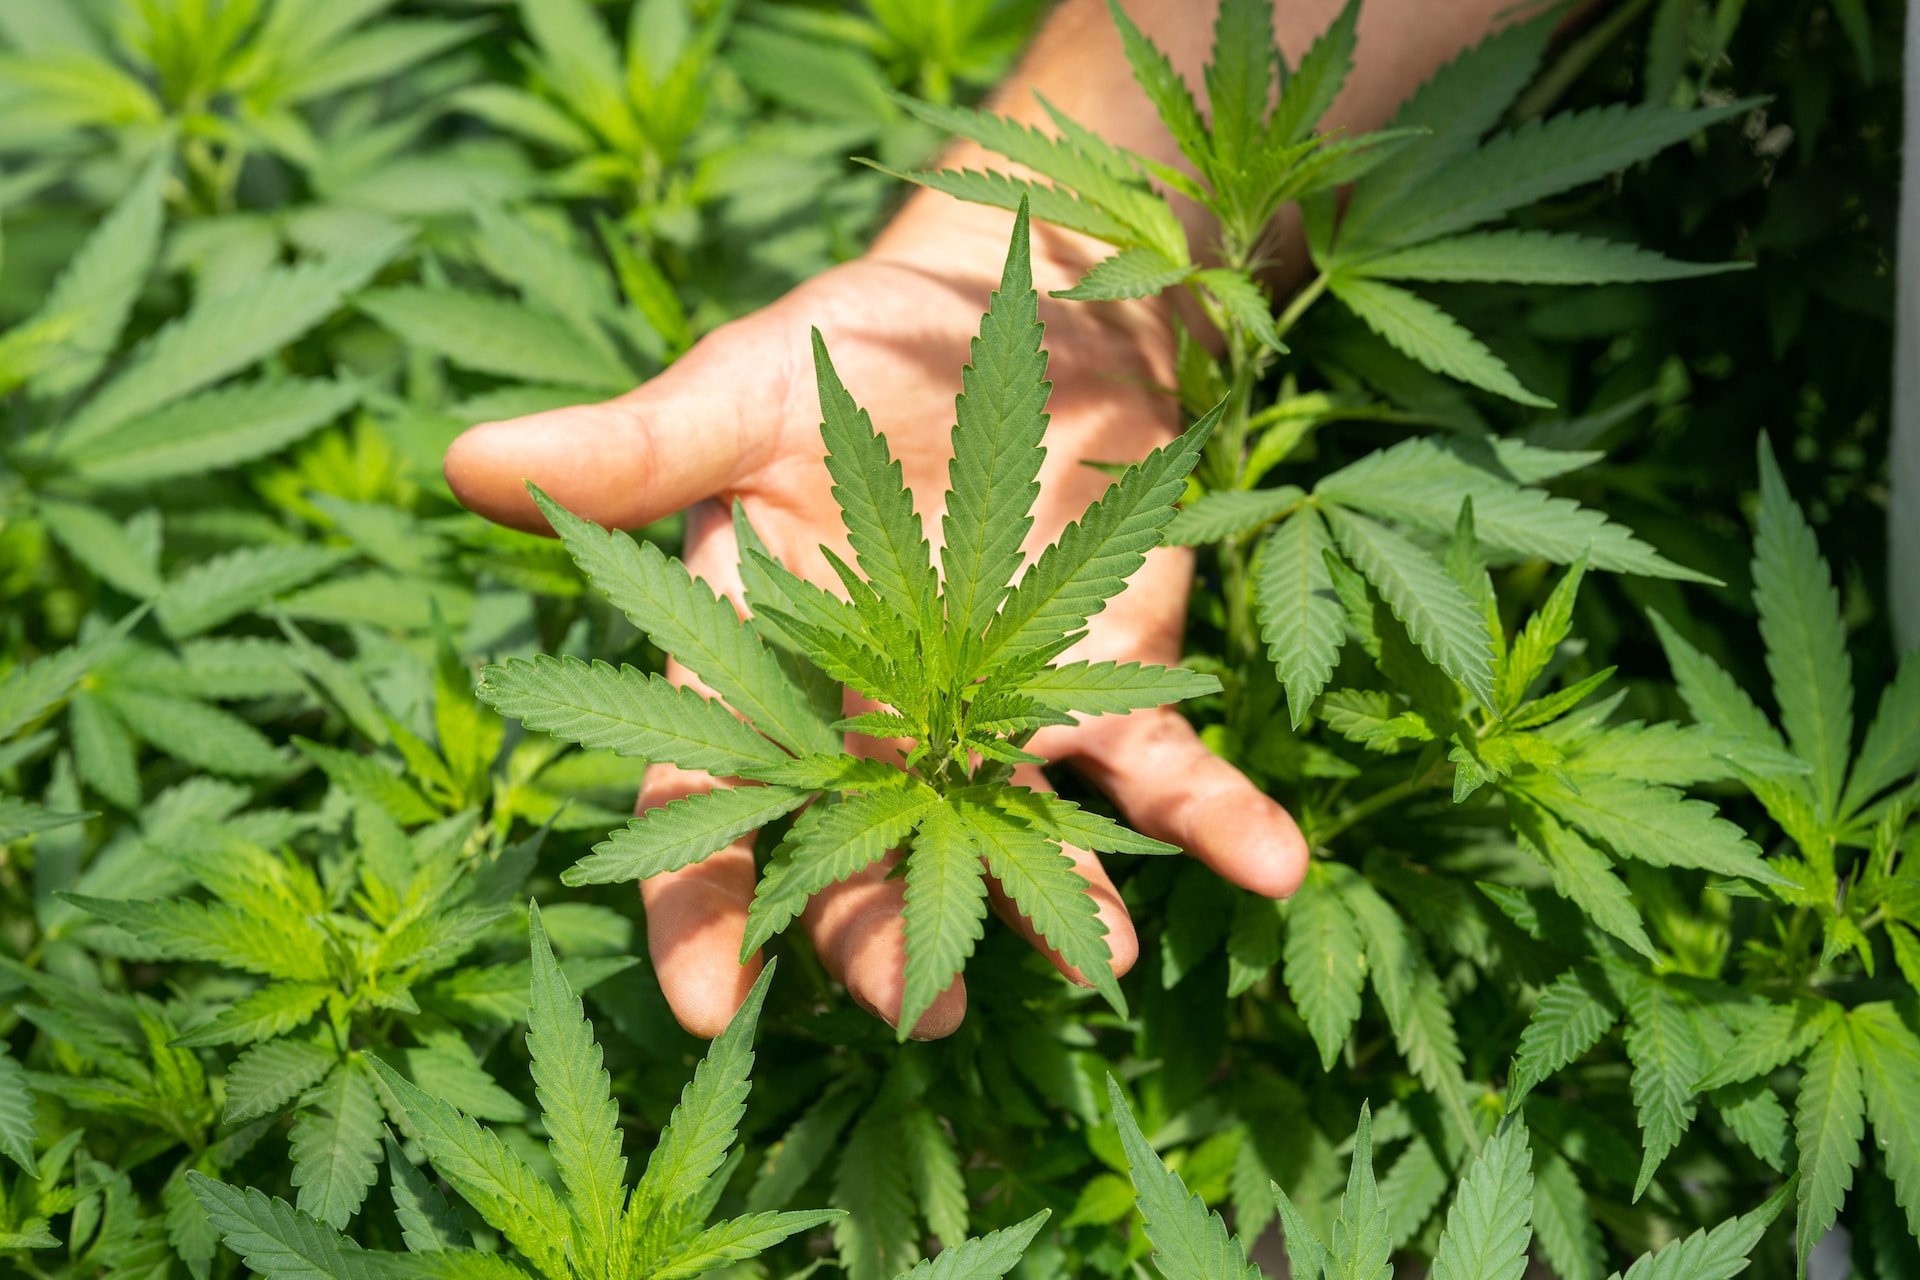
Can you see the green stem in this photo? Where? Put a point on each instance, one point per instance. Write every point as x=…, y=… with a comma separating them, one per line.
x=1379, y=800
x=1298, y=307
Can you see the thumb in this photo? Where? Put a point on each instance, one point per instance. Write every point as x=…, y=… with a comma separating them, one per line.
x=688, y=434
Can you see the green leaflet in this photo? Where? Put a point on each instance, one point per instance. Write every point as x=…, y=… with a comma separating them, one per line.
x=1805, y=637
x=1829, y=1121
x=874, y=503
x=1095, y=556
x=1189, y=1242
x=702, y=1126
x=1300, y=618
x=336, y=1144
x=830, y=843
x=1047, y=202
x=268, y=1076
x=625, y=711
x=99, y=542
x=576, y=1104
x=1657, y=825
x=1489, y=1225
x=946, y=907
x=1667, y=1058
x=1581, y=873
x=1362, y=1240
x=498, y=1183
x=493, y=335
x=219, y=428
x=735, y=1241
x=1131, y=273
x=1214, y=516
x=985, y=1257
x=1532, y=257
x=222, y=335
x=1781, y=1034
x=1573, y=1014
x=1422, y=331
x=1109, y=688
x=1418, y=483
x=1324, y=957
x=681, y=833
x=229, y=585
x=992, y=479
x=1889, y=1054
x=1891, y=750
x=1563, y=1226
x=687, y=620
x=272, y=1011
x=1436, y=611
x=275, y=1239
x=16, y=1115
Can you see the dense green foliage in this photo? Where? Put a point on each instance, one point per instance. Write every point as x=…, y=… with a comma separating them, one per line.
x=1610, y=938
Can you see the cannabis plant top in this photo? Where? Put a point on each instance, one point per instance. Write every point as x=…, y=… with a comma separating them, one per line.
x=961, y=661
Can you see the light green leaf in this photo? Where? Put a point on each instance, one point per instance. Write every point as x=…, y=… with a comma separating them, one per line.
x=1418, y=329
x=1667, y=1057
x=1068, y=823
x=874, y=502
x=277, y=1240
x=1132, y=273
x=939, y=1184
x=1753, y=1112
x=1214, y=516
x=1829, y=1121
x=229, y=585
x=219, y=933
x=1889, y=1055
x=946, y=907
x=681, y=833
x=496, y=335
x=801, y=1150
x=1805, y=637
x=197, y=733
x=828, y=844
x=1657, y=825
x=1049, y=892
x=218, y=428
x=993, y=477
x=629, y=712
x=879, y=1237
x=1532, y=257
x=1536, y=160
x=17, y=1121
x=1301, y=620
x=1244, y=302
x=1563, y=1226
x=694, y=1144
x=1421, y=484
x=1046, y=202
x=1362, y=1237
x=1189, y=1242
x=1489, y=1225
x=1109, y=688
x=502, y=1188
x=104, y=546
x=22, y=818
x=103, y=750
x=1781, y=1034
x=336, y=1144
x=427, y=1222
x=689, y=621
x=576, y=1104
x=1095, y=555
x=1719, y=1254
x=96, y=290
x=1573, y=1014
x=1325, y=962
x=735, y=1241
x=273, y=1010
x=224, y=334
x=1891, y=751
x=268, y=1076
x=1581, y=874
x=1164, y=88
x=1437, y=612
x=986, y=1257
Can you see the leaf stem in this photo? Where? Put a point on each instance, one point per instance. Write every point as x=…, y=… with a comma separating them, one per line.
x=1298, y=306
x=1379, y=800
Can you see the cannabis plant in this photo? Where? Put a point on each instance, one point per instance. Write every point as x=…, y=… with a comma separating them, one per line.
x=658, y=1227
x=1419, y=188
x=961, y=663
x=1486, y=1235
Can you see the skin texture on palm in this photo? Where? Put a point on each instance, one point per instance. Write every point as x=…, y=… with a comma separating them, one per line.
x=737, y=419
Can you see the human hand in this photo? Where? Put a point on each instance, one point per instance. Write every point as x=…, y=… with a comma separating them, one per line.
x=737, y=418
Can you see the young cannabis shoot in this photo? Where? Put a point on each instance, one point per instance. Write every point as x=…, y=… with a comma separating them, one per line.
x=961, y=661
